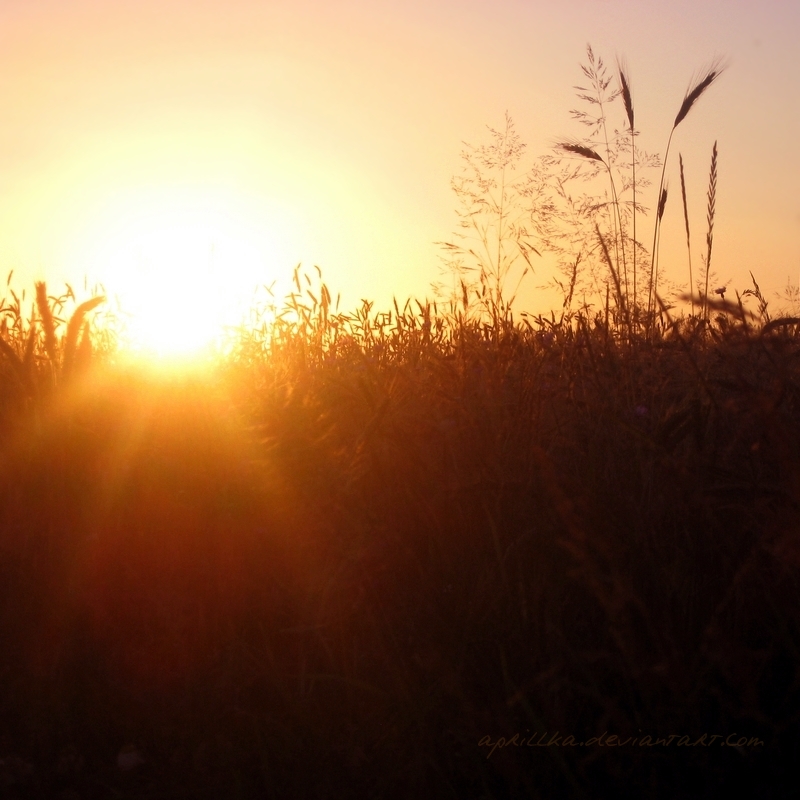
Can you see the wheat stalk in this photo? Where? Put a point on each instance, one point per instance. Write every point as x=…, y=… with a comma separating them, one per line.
x=688, y=239
x=693, y=94
x=712, y=202
x=74, y=328
x=662, y=204
x=627, y=99
x=48, y=323
x=582, y=150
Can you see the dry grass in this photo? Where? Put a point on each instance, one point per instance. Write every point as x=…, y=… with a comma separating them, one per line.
x=35, y=349
x=378, y=537
x=365, y=541
x=696, y=90
x=711, y=213
x=564, y=218
x=688, y=234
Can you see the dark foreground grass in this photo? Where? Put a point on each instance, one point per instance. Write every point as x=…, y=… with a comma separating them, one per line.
x=361, y=557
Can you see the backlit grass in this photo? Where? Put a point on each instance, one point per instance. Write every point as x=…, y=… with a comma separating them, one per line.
x=362, y=543
x=394, y=553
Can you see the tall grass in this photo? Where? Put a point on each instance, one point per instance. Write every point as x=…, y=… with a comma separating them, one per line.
x=383, y=536
x=41, y=350
x=711, y=213
x=627, y=98
x=494, y=244
x=369, y=545
x=695, y=91
x=688, y=232
x=599, y=148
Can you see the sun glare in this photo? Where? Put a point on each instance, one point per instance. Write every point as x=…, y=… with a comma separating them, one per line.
x=184, y=265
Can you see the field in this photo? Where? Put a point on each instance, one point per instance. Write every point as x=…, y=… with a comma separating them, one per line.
x=445, y=549
x=422, y=553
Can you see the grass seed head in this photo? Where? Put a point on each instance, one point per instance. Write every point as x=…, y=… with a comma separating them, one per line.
x=48, y=323
x=694, y=93
x=581, y=150
x=662, y=202
x=625, y=88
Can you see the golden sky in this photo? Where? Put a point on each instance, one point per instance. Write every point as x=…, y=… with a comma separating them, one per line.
x=228, y=140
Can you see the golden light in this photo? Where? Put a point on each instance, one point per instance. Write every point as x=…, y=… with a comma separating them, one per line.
x=184, y=263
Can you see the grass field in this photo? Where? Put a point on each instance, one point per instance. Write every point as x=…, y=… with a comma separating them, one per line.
x=431, y=551
x=361, y=553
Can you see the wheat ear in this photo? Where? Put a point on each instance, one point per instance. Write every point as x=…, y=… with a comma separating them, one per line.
x=712, y=203
x=627, y=98
x=693, y=94
x=48, y=323
x=74, y=328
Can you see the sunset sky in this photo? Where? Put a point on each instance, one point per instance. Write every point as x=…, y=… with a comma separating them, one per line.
x=224, y=141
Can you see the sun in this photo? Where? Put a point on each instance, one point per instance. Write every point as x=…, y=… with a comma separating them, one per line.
x=184, y=264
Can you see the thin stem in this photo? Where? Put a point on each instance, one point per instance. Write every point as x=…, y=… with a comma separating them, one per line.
x=633, y=171
x=654, y=252
x=688, y=239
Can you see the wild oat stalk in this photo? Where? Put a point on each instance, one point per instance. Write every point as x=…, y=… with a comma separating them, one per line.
x=692, y=96
x=712, y=200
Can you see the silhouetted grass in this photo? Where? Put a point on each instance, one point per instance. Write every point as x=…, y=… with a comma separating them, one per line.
x=364, y=542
